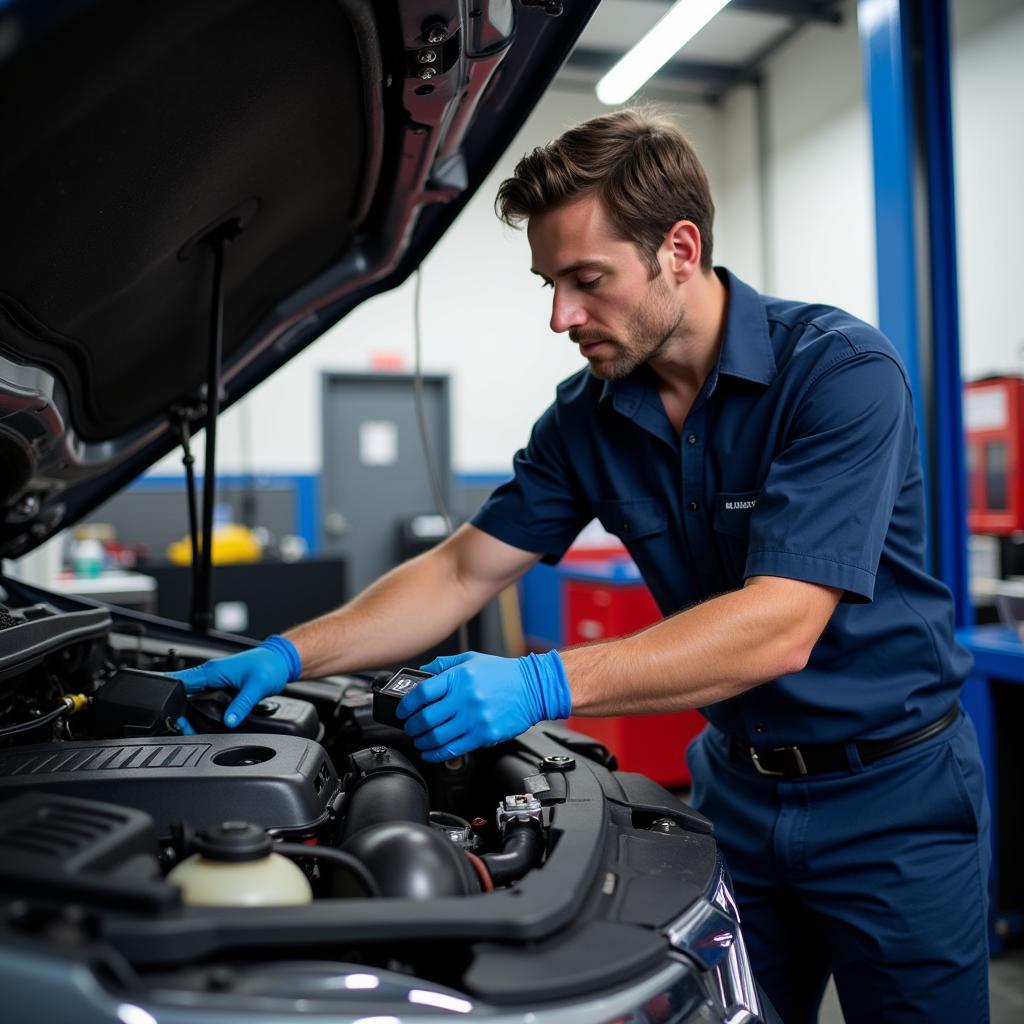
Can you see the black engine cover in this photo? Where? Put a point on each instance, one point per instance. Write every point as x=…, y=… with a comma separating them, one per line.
x=283, y=783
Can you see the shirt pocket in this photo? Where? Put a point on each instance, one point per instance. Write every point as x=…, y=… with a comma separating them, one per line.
x=642, y=524
x=633, y=518
x=731, y=524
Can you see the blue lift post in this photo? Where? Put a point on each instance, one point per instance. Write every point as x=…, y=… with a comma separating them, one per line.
x=906, y=53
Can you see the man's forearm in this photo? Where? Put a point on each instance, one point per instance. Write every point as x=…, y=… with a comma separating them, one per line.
x=408, y=610
x=705, y=654
x=413, y=607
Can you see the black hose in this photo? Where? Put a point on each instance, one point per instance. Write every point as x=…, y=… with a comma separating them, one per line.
x=12, y=730
x=346, y=860
x=383, y=797
x=521, y=850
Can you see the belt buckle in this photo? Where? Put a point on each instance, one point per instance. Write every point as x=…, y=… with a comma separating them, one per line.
x=798, y=758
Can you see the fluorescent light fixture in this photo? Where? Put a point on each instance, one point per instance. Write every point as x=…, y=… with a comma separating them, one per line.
x=683, y=21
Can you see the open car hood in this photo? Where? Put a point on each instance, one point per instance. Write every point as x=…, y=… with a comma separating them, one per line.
x=312, y=134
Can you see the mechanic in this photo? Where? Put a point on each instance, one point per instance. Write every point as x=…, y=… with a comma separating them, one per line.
x=759, y=460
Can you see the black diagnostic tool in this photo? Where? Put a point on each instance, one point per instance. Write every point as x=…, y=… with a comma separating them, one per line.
x=388, y=692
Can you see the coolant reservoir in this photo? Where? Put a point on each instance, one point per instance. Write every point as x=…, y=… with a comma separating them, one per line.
x=236, y=868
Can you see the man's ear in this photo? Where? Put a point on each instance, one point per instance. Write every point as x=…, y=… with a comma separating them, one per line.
x=682, y=249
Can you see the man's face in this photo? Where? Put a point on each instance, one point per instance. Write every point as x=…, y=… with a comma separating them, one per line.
x=603, y=292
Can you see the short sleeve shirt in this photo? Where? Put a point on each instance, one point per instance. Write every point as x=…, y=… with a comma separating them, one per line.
x=798, y=459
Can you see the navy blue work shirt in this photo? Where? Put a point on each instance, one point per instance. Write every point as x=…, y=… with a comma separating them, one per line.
x=798, y=459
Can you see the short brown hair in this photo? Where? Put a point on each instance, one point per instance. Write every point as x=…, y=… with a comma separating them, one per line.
x=637, y=161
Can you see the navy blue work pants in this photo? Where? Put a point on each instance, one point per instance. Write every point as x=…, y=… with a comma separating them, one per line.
x=878, y=875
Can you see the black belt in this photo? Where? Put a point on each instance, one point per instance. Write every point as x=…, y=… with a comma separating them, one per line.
x=832, y=757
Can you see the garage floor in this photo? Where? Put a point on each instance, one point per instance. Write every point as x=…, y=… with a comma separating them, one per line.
x=1006, y=992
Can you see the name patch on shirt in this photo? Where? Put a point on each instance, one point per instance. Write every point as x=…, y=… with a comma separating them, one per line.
x=740, y=504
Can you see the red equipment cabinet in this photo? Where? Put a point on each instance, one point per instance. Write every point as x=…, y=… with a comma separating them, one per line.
x=993, y=424
x=607, y=599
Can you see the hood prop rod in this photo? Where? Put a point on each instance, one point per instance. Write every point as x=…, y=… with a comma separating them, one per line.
x=202, y=540
x=202, y=596
x=180, y=417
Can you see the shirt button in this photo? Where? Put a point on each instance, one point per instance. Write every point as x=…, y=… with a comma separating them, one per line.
x=625, y=527
x=693, y=506
x=692, y=439
x=759, y=728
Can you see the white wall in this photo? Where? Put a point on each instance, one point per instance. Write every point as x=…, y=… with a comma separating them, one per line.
x=821, y=212
x=821, y=243
x=736, y=189
x=819, y=186
x=988, y=92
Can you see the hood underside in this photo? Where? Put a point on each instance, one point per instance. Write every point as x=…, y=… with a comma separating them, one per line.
x=134, y=131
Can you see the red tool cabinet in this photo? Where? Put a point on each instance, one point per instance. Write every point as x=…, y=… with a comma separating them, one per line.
x=607, y=598
x=994, y=429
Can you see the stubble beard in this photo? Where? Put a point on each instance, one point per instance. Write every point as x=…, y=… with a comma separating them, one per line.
x=652, y=324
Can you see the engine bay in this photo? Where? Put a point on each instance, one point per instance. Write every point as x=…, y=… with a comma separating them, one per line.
x=311, y=829
x=120, y=740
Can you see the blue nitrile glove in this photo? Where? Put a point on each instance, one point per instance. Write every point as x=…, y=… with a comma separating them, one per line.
x=477, y=700
x=184, y=726
x=255, y=674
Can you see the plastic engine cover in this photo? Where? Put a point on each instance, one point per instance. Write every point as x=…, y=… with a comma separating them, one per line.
x=285, y=783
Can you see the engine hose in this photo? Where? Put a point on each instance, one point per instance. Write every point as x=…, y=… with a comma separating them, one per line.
x=486, y=883
x=391, y=791
x=340, y=857
x=521, y=850
x=69, y=705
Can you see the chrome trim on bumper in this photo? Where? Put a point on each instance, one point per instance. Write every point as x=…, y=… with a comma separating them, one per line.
x=709, y=934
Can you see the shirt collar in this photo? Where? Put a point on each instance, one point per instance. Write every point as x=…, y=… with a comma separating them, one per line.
x=746, y=348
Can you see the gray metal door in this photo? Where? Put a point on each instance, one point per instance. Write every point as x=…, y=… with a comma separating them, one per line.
x=374, y=475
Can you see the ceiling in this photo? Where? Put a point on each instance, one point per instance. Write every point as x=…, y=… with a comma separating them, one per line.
x=728, y=51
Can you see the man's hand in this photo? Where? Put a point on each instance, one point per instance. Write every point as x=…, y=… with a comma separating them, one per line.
x=477, y=700
x=255, y=674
